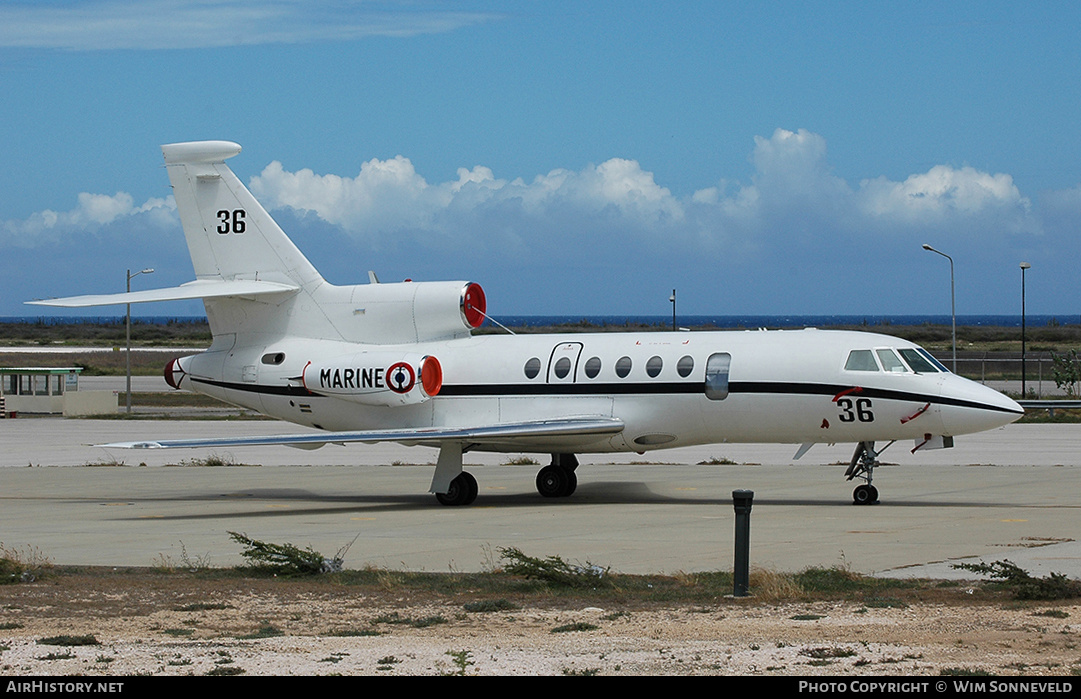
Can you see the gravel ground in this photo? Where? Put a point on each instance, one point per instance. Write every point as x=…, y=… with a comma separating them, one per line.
x=263, y=627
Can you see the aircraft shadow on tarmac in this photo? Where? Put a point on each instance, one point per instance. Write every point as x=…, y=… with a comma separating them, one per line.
x=588, y=494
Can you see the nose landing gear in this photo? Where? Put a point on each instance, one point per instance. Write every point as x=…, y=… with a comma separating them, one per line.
x=863, y=464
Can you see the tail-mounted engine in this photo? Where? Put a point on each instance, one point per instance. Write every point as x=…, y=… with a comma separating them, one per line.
x=376, y=378
x=397, y=313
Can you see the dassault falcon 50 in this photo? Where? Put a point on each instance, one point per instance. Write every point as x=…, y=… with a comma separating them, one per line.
x=399, y=362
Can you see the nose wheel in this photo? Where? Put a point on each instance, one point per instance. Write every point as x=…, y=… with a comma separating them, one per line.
x=865, y=495
x=862, y=466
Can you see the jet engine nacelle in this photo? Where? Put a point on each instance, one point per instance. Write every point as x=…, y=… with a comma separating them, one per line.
x=376, y=378
x=397, y=313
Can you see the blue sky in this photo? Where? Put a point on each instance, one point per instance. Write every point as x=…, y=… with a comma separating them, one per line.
x=571, y=157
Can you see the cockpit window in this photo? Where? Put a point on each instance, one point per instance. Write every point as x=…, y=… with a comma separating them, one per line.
x=919, y=363
x=861, y=360
x=890, y=362
x=931, y=358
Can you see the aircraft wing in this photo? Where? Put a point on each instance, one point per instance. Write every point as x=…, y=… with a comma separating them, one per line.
x=200, y=289
x=526, y=433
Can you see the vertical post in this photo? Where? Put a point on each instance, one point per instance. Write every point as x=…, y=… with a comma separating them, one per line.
x=127, y=353
x=741, y=501
x=127, y=331
x=1024, y=266
x=953, y=303
x=672, y=298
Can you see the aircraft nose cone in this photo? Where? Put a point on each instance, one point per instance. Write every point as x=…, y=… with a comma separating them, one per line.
x=972, y=407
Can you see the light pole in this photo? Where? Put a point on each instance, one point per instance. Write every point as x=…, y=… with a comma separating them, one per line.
x=1024, y=266
x=127, y=332
x=953, y=303
x=672, y=298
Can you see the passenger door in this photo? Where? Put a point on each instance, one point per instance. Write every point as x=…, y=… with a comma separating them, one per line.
x=563, y=364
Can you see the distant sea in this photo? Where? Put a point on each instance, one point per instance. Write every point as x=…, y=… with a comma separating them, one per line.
x=696, y=321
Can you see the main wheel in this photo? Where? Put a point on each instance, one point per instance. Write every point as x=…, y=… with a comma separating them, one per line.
x=865, y=495
x=463, y=491
x=556, y=482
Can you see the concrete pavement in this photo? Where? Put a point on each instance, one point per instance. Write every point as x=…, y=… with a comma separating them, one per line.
x=1013, y=493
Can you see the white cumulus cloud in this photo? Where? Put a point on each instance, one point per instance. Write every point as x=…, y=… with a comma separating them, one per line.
x=94, y=25
x=91, y=213
x=794, y=221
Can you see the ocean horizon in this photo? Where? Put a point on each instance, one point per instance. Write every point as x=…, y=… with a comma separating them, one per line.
x=683, y=321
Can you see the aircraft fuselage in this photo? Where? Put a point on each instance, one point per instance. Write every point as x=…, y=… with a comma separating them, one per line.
x=669, y=388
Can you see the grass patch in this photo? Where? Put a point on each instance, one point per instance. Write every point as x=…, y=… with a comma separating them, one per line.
x=554, y=570
x=286, y=559
x=1024, y=586
x=68, y=640
x=576, y=626
x=521, y=461
x=827, y=653
x=266, y=630
x=502, y=591
x=415, y=622
x=491, y=605
x=21, y=565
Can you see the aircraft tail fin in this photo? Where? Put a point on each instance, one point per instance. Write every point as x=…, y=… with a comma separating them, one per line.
x=256, y=285
x=229, y=234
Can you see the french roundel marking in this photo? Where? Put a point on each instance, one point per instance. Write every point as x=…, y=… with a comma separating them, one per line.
x=401, y=378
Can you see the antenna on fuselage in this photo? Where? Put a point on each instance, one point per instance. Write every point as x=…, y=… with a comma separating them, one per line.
x=488, y=317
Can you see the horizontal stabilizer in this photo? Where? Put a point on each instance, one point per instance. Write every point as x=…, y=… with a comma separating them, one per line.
x=431, y=436
x=201, y=289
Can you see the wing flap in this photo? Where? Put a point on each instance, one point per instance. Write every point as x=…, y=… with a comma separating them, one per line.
x=527, y=432
x=200, y=289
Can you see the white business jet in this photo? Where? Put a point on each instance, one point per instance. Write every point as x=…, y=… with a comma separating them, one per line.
x=398, y=362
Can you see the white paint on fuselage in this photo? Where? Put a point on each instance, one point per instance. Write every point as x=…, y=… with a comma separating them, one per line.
x=785, y=386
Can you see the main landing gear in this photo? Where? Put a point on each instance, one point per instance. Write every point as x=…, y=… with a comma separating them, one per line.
x=457, y=488
x=463, y=491
x=557, y=480
x=863, y=464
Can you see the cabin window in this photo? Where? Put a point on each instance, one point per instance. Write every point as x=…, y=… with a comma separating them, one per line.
x=593, y=367
x=562, y=367
x=623, y=367
x=717, y=375
x=890, y=362
x=685, y=366
x=654, y=366
x=861, y=360
x=532, y=368
x=918, y=362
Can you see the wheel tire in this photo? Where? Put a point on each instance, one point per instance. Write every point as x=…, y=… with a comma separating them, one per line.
x=865, y=495
x=552, y=482
x=463, y=491
x=473, y=487
x=572, y=484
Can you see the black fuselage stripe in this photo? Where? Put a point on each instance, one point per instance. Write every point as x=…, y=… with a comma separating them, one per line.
x=622, y=389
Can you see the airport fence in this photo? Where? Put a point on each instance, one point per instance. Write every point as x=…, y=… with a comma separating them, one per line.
x=1005, y=370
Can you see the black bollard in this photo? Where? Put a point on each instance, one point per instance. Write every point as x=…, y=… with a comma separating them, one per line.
x=741, y=500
